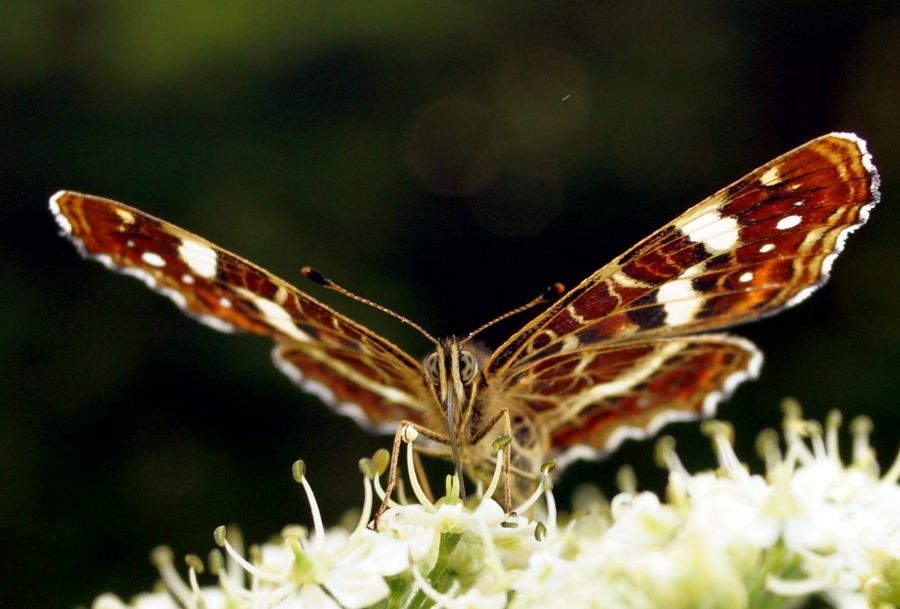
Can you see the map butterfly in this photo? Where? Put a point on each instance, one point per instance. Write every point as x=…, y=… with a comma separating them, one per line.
x=619, y=356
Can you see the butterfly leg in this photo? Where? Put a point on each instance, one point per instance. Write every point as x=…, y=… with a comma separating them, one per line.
x=502, y=416
x=399, y=438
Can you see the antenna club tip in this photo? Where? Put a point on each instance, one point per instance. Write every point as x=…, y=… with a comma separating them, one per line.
x=554, y=291
x=313, y=273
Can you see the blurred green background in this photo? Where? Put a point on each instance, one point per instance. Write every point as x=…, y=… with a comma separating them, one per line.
x=446, y=159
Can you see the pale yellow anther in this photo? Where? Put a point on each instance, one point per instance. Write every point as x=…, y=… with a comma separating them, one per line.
x=410, y=434
x=195, y=562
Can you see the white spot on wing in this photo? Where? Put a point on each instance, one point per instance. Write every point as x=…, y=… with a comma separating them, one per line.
x=225, y=302
x=770, y=176
x=276, y=315
x=199, y=257
x=766, y=248
x=187, y=279
x=281, y=295
x=124, y=215
x=679, y=299
x=569, y=342
x=153, y=259
x=745, y=277
x=715, y=232
x=789, y=222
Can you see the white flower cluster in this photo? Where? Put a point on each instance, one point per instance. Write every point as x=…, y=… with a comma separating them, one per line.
x=724, y=539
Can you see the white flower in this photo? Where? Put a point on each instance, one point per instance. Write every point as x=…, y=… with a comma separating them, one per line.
x=333, y=569
x=725, y=539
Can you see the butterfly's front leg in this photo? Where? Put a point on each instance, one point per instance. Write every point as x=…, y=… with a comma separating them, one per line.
x=395, y=456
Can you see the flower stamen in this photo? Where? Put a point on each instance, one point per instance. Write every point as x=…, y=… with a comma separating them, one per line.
x=495, y=478
x=409, y=436
x=861, y=428
x=368, y=472
x=253, y=570
x=812, y=525
x=541, y=488
x=299, y=471
x=195, y=565
x=768, y=450
x=833, y=424
x=722, y=436
x=666, y=457
x=162, y=558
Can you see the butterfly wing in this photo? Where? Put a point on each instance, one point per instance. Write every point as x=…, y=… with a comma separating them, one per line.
x=752, y=249
x=351, y=368
x=588, y=401
x=605, y=362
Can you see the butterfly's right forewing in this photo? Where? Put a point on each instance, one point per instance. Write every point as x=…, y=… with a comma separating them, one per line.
x=317, y=347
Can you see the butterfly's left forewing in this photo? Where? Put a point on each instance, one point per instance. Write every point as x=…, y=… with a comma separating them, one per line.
x=760, y=245
x=610, y=360
x=350, y=367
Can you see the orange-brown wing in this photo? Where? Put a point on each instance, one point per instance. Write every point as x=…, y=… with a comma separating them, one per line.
x=756, y=247
x=350, y=367
x=589, y=400
x=377, y=392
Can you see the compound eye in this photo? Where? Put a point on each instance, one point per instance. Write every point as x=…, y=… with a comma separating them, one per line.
x=467, y=366
x=432, y=367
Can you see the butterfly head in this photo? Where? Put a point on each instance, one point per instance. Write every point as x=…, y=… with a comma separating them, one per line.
x=451, y=370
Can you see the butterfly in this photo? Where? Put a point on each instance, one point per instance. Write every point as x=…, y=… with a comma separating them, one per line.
x=626, y=351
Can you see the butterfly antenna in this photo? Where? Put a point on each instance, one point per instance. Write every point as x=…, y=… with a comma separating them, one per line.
x=315, y=275
x=549, y=295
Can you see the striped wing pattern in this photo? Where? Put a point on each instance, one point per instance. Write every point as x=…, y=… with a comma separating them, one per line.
x=755, y=247
x=589, y=401
x=315, y=345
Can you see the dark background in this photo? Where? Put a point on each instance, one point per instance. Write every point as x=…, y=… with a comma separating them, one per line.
x=445, y=159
